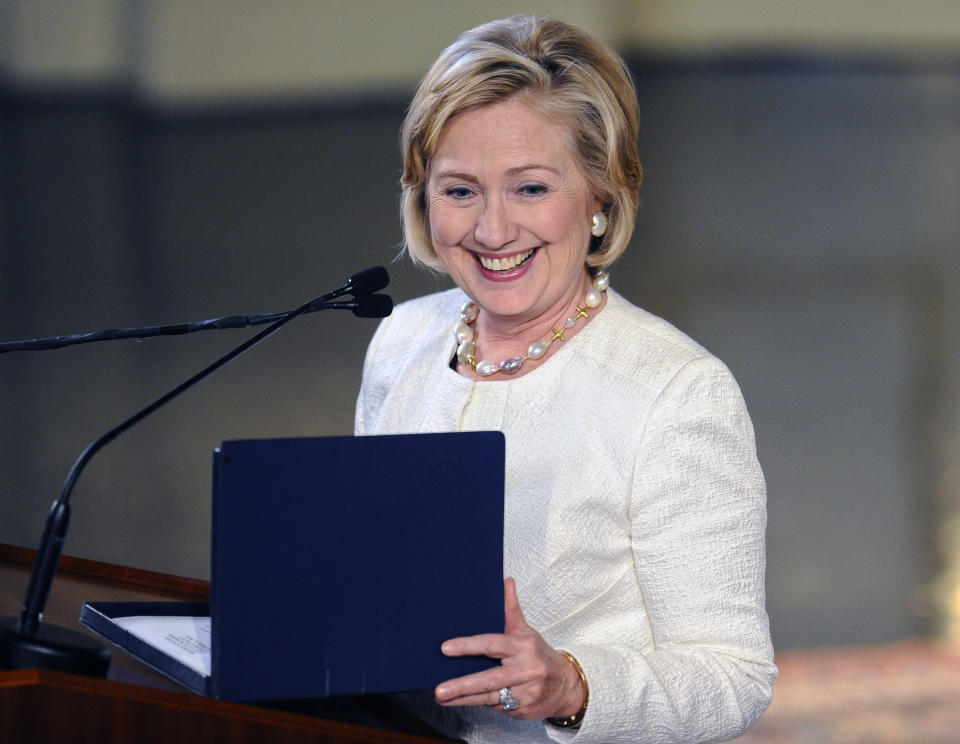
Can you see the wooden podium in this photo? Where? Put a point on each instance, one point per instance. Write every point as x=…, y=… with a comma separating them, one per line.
x=134, y=703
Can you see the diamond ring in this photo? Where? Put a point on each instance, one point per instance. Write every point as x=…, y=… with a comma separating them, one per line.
x=507, y=700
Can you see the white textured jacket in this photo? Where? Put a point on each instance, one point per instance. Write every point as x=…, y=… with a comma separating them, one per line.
x=635, y=512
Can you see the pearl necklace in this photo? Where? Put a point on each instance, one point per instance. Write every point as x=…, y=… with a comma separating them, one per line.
x=466, y=338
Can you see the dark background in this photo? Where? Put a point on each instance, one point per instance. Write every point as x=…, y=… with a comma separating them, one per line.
x=798, y=218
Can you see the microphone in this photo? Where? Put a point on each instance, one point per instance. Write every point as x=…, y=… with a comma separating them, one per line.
x=373, y=306
x=369, y=280
x=367, y=306
x=362, y=284
x=26, y=643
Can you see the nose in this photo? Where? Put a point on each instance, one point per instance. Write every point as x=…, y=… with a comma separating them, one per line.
x=494, y=228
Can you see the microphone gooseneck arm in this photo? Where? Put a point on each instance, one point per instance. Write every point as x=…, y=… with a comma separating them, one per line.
x=362, y=284
x=55, y=529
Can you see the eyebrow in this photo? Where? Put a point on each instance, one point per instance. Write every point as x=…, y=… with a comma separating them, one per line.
x=458, y=175
x=532, y=166
x=512, y=172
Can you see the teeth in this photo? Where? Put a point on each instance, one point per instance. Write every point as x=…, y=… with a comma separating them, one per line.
x=504, y=264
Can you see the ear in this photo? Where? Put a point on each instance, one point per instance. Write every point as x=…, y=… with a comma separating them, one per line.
x=598, y=205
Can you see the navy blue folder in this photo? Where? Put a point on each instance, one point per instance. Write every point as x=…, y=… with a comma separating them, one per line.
x=340, y=564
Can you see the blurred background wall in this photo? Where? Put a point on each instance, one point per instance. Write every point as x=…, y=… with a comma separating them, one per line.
x=174, y=160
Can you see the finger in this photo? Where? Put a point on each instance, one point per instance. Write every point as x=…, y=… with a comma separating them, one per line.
x=469, y=700
x=513, y=619
x=489, y=699
x=477, y=685
x=494, y=645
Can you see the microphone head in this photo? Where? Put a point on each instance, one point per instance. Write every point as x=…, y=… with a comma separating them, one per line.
x=373, y=305
x=369, y=281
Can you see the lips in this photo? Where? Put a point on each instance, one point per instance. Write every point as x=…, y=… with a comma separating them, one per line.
x=507, y=263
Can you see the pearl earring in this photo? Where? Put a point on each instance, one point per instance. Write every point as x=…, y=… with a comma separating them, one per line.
x=598, y=225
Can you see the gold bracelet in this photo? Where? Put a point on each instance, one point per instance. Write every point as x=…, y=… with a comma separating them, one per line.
x=574, y=720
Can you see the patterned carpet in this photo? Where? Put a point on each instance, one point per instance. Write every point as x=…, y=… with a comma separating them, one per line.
x=898, y=693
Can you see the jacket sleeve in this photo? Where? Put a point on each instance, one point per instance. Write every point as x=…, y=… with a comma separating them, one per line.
x=697, y=521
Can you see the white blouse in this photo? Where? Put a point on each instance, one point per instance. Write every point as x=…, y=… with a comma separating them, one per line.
x=634, y=515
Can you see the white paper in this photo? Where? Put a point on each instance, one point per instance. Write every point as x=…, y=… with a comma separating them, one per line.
x=186, y=639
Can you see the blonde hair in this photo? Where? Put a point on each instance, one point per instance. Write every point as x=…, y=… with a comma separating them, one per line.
x=563, y=73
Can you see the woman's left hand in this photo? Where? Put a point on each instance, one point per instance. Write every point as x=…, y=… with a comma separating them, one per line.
x=542, y=681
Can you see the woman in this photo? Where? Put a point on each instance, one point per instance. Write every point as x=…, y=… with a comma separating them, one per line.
x=634, y=504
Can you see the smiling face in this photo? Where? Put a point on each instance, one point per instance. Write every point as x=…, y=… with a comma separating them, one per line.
x=510, y=212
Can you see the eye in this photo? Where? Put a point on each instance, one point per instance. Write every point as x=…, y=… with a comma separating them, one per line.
x=533, y=189
x=459, y=192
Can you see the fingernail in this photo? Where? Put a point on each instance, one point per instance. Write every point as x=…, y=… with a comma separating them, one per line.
x=446, y=647
x=443, y=693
